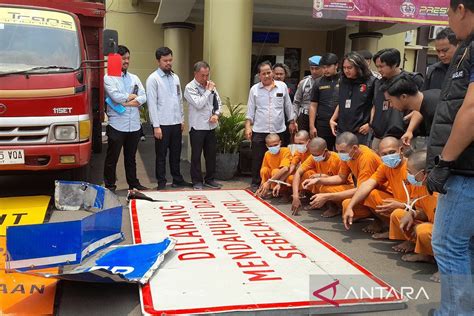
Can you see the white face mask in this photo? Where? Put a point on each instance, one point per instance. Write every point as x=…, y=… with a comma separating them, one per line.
x=301, y=148
x=274, y=149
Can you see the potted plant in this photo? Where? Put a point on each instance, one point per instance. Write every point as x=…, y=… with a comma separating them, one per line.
x=229, y=134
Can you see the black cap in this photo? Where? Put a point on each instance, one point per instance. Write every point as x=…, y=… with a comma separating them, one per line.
x=328, y=59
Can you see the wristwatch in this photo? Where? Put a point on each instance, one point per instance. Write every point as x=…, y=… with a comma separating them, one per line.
x=439, y=162
x=218, y=113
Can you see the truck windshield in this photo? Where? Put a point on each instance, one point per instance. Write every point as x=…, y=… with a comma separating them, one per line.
x=42, y=40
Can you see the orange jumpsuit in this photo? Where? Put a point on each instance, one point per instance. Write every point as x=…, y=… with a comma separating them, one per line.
x=297, y=160
x=423, y=230
x=362, y=168
x=394, y=178
x=329, y=167
x=273, y=163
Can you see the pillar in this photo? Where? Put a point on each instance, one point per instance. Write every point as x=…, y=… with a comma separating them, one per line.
x=228, y=46
x=365, y=41
x=177, y=36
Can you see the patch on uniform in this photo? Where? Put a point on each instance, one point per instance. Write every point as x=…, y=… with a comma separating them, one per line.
x=458, y=74
x=363, y=87
x=324, y=87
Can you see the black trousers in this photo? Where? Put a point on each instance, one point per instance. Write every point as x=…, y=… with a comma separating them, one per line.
x=303, y=122
x=115, y=141
x=203, y=141
x=259, y=148
x=172, y=136
x=324, y=131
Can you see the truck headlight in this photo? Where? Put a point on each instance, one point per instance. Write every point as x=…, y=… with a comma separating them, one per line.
x=65, y=132
x=84, y=130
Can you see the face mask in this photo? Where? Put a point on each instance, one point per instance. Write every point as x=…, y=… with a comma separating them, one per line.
x=274, y=149
x=301, y=148
x=344, y=156
x=318, y=158
x=392, y=161
x=412, y=180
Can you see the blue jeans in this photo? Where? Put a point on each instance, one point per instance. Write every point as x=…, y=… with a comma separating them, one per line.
x=453, y=246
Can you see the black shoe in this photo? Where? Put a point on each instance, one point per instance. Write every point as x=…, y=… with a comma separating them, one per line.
x=138, y=187
x=111, y=188
x=183, y=184
x=212, y=184
x=161, y=186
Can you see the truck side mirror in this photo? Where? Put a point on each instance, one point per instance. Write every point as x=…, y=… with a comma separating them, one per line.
x=110, y=41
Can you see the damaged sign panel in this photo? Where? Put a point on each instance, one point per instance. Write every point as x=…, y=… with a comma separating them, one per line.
x=244, y=255
x=68, y=242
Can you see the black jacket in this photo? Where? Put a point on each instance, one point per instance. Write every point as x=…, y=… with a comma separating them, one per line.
x=435, y=76
x=355, y=103
x=452, y=96
x=387, y=120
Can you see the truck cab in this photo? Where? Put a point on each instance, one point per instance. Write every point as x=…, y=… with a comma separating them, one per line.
x=50, y=95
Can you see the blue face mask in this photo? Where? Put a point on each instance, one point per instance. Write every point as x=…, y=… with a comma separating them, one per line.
x=412, y=180
x=344, y=156
x=301, y=148
x=274, y=149
x=392, y=161
x=318, y=158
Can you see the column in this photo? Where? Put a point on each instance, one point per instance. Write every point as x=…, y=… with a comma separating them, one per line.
x=228, y=46
x=365, y=41
x=177, y=36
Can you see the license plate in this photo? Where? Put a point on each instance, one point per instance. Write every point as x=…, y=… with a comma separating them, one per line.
x=12, y=157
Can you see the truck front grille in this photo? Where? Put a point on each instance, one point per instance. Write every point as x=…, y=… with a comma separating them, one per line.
x=24, y=135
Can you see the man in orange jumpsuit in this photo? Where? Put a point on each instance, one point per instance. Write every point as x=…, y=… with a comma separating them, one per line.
x=275, y=165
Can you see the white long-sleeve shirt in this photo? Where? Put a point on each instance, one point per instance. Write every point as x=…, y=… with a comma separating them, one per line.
x=201, y=102
x=164, y=99
x=118, y=89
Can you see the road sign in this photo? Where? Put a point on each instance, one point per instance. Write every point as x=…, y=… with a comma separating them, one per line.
x=235, y=252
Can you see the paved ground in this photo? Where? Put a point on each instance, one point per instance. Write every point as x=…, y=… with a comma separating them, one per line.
x=96, y=299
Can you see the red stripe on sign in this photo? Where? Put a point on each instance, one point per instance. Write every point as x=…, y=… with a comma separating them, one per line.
x=137, y=237
x=148, y=300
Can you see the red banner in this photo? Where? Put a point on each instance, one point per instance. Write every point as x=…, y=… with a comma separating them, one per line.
x=424, y=12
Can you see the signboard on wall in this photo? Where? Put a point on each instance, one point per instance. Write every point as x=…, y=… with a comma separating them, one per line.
x=423, y=12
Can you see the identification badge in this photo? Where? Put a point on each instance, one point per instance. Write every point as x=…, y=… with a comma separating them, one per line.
x=348, y=103
x=280, y=95
x=178, y=91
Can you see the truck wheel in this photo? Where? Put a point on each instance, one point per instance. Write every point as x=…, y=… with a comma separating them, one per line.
x=97, y=137
x=81, y=173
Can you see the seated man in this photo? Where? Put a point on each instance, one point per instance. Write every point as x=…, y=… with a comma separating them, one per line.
x=300, y=155
x=321, y=163
x=415, y=226
x=372, y=194
x=357, y=159
x=275, y=165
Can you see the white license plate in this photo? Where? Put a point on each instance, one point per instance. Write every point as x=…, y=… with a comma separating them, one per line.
x=12, y=157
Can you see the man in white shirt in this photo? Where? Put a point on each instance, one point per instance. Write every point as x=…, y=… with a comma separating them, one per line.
x=204, y=110
x=268, y=105
x=165, y=105
x=124, y=127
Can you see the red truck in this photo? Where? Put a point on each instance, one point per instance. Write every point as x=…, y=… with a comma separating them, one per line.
x=51, y=85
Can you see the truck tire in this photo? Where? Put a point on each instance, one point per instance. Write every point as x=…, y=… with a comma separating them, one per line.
x=96, y=136
x=81, y=173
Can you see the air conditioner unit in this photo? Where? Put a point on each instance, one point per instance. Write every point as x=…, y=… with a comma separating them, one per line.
x=434, y=30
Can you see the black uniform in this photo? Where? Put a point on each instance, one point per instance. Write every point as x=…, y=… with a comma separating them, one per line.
x=325, y=92
x=355, y=103
x=428, y=109
x=387, y=120
x=435, y=76
x=458, y=78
